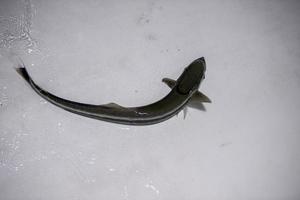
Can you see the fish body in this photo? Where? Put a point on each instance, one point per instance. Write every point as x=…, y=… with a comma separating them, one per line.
x=182, y=91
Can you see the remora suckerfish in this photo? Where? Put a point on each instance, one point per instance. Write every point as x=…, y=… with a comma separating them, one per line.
x=184, y=90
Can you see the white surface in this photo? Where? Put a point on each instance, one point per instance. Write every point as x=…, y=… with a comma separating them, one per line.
x=246, y=146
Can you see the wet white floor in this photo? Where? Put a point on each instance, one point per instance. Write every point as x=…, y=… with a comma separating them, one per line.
x=245, y=146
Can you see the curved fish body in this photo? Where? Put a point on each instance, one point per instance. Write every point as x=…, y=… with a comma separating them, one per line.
x=183, y=90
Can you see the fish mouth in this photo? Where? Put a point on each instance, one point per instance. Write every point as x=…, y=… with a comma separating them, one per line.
x=202, y=62
x=202, y=59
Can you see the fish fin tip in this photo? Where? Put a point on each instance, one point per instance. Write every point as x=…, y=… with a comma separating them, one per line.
x=169, y=82
x=197, y=106
x=199, y=96
x=21, y=70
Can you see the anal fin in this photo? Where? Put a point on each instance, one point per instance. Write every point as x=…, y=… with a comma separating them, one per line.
x=112, y=105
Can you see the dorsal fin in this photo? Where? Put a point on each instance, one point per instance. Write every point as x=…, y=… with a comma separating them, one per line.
x=170, y=82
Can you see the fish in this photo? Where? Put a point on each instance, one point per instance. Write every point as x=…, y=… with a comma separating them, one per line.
x=184, y=92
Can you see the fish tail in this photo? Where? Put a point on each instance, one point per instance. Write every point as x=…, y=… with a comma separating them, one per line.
x=23, y=72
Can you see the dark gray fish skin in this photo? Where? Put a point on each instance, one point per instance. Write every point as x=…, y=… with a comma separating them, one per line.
x=182, y=91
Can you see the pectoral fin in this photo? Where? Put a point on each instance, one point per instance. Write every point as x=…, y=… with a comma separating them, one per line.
x=197, y=101
x=200, y=97
x=170, y=82
x=196, y=105
x=185, y=111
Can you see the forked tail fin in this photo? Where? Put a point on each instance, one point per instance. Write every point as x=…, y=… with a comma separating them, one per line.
x=23, y=72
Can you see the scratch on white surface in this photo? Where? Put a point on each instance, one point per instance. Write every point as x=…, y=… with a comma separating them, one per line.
x=3, y=99
x=60, y=127
x=74, y=163
x=91, y=162
x=53, y=152
x=17, y=29
x=41, y=157
x=152, y=187
x=90, y=180
x=43, y=101
x=18, y=167
x=112, y=169
x=125, y=192
x=125, y=128
x=11, y=144
x=92, y=159
x=225, y=144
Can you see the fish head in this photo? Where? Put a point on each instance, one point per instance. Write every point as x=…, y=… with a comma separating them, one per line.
x=189, y=81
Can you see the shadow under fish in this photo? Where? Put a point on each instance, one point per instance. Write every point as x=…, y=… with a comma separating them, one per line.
x=184, y=92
